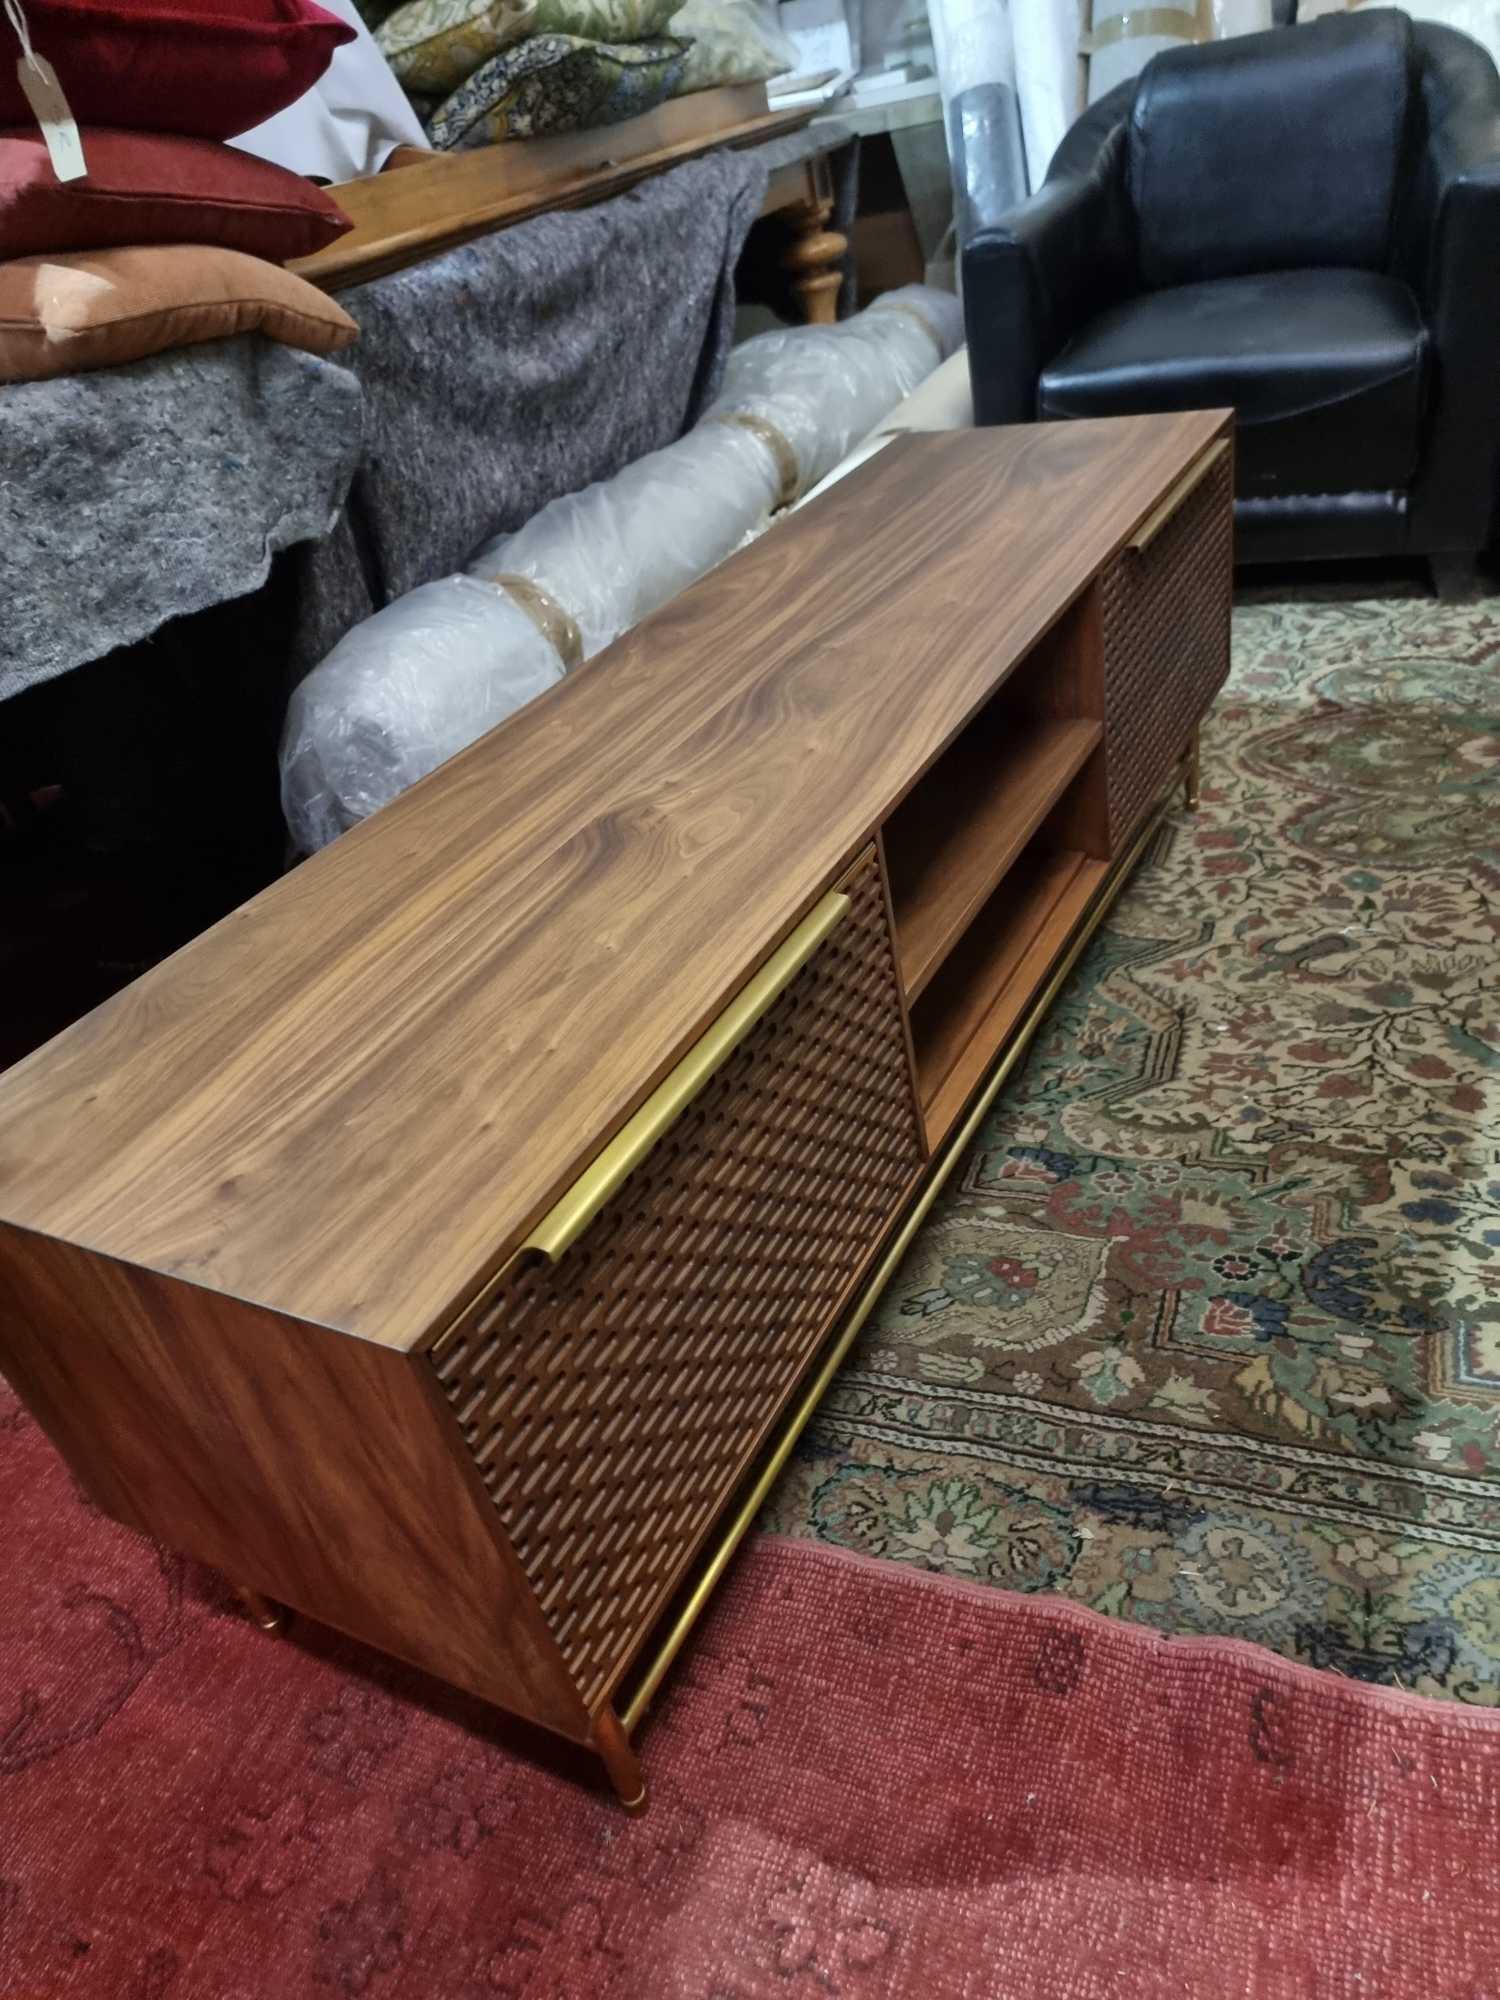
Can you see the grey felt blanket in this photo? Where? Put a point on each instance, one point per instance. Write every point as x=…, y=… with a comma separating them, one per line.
x=136, y=494
x=525, y=366
x=486, y=382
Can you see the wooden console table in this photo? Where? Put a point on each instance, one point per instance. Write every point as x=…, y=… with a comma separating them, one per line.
x=452, y=1241
x=426, y=203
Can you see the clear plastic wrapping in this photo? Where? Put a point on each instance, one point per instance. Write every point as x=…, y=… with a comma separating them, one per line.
x=823, y=387
x=399, y=695
x=617, y=550
x=1047, y=36
x=419, y=680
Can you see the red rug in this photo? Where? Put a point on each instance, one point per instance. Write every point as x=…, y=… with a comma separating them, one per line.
x=867, y=1783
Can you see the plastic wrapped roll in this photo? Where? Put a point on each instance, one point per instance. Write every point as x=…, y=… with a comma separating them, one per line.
x=791, y=406
x=985, y=153
x=1239, y=17
x=944, y=402
x=974, y=50
x=1126, y=35
x=822, y=388
x=399, y=695
x=617, y=550
x=430, y=673
x=1048, y=35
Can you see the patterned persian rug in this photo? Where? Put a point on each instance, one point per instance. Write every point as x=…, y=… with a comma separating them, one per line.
x=867, y=1784
x=1206, y=1331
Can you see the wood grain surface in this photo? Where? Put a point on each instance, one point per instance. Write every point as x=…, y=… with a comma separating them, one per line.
x=431, y=202
x=968, y=1013
x=953, y=838
x=348, y=1100
x=319, y=1470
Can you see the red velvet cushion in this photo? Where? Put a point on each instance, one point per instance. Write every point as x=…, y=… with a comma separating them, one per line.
x=211, y=68
x=144, y=188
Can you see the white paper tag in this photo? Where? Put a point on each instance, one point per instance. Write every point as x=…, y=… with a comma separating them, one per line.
x=60, y=130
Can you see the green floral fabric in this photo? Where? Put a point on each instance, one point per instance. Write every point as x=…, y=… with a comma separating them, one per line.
x=435, y=45
x=607, y=20
x=733, y=41
x=1206, y=1331
x=557, y=83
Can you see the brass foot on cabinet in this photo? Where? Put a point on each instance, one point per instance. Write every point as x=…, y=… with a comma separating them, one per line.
x=620, y=1761
x=268, y=1616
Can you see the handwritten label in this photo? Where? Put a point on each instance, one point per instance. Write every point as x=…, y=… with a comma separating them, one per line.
x=49, y=106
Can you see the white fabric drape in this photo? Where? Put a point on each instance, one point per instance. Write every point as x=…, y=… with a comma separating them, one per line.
x=1031, y=50
x=349, y=123
x=1048, y=74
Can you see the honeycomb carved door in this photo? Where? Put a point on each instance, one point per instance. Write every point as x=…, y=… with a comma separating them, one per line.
x=613, y=1400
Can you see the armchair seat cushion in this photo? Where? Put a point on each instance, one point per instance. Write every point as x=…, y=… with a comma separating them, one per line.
x=1326, y=371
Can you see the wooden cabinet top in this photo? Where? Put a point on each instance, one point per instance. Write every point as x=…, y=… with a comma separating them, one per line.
x=350, y=1099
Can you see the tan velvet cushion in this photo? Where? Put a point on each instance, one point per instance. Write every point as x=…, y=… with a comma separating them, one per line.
x=97, y=308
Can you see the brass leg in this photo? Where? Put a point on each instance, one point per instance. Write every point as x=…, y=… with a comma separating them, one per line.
x=621, y=1762
x=814, y=257
x=1190, y=774
x=268, y=1616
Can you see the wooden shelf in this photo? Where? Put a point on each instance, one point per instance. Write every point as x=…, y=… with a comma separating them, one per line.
x=425, y=203
x=954, y=837
x=983, y=989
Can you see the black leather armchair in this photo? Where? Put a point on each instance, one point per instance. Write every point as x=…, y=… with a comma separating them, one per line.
x=1303, y=224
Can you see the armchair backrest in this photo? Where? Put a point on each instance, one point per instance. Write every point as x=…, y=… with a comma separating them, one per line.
x=1272, y=151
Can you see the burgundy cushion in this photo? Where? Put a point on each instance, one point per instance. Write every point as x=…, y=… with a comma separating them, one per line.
x=210, y=68
x=144, y=188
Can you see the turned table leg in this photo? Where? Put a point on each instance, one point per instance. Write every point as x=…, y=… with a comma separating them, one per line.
x=815, y=258
x=1190, y=767
x=620, y=1761
x=268, y=1616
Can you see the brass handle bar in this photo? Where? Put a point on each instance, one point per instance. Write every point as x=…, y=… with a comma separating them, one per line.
x=954, y=1147
x=572, y=1213
x=1163, y=511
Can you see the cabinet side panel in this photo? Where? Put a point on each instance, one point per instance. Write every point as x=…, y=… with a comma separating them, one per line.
x=320, y=1469
x=1165, y=614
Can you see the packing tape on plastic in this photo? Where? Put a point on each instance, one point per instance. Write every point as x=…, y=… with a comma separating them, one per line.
x=558, y=627
x=1182, y=24
x=781, y=451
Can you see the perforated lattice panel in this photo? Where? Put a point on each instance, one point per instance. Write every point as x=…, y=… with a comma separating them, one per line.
x=1166, y=645
x=613, y=1401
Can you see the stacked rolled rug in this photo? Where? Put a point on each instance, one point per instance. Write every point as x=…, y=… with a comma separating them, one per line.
x=411, y=686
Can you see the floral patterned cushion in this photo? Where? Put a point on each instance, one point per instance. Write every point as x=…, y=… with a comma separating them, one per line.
x=557, y=83
x=734, y=41
x=435, y=45
x=606, y=20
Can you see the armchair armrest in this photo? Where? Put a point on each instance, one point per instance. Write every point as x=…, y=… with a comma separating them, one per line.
x=1452, y=227
x=1033, y=273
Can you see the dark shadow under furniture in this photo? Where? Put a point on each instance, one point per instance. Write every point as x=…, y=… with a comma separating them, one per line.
x=1301, y=224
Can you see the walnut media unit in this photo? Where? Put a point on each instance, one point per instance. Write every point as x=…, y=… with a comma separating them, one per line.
x=453, y=1241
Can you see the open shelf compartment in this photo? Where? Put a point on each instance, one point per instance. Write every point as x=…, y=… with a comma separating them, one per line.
x=963, y=825
x=969, y=1010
